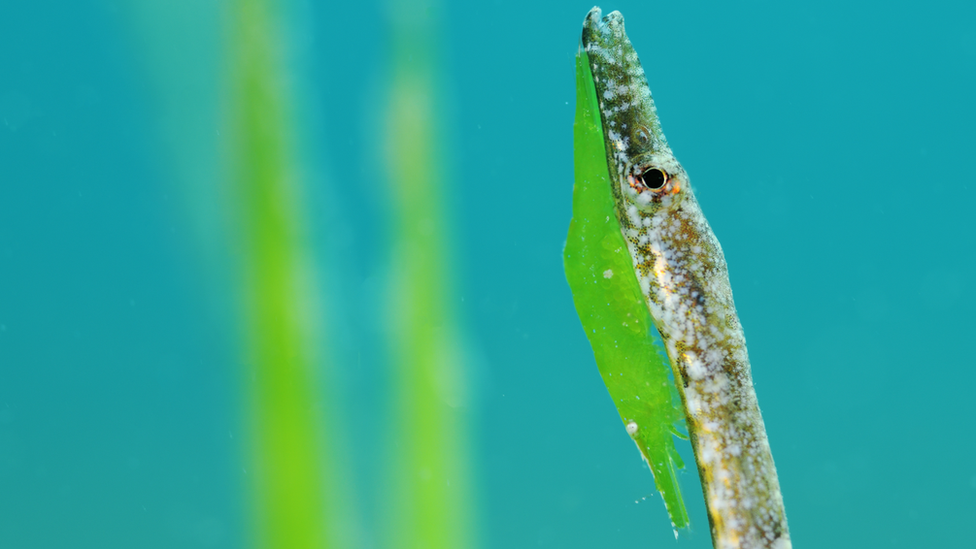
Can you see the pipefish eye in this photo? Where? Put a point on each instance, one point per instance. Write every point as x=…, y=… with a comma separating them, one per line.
x=653, y=178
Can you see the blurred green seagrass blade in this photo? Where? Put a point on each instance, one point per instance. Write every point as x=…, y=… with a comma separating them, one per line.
x=611, y=308
x=432, y=497
x=298, y=501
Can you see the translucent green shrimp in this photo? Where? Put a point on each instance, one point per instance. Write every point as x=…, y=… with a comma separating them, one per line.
x=612, y=310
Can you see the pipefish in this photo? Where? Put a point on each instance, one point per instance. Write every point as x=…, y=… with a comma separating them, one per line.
x=681, y=271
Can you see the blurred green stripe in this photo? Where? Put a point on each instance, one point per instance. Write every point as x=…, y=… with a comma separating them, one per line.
x=292, y=461
x=433, y=503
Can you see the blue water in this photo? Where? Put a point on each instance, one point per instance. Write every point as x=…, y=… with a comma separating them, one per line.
x=829, y=144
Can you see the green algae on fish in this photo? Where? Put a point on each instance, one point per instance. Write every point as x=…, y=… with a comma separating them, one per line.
x=678, y=265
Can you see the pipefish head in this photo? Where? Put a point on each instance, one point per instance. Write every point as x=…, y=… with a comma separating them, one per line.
x=647, y=174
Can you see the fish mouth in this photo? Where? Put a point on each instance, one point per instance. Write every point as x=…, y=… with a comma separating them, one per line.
x=601, y=30
x=593, y=17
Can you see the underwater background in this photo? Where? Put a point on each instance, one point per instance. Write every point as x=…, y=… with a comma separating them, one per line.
x=230, y=227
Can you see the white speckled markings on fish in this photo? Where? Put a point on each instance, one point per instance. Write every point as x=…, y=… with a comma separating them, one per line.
x=683, y=276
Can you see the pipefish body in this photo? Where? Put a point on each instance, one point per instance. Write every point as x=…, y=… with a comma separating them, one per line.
x=683, y=277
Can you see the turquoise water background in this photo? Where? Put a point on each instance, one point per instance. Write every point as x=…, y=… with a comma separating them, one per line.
x=830, y=144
